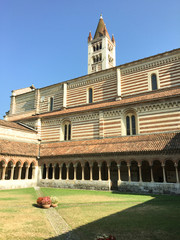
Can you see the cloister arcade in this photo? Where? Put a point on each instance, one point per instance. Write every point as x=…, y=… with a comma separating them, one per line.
x=132, y=171
x=16, y=171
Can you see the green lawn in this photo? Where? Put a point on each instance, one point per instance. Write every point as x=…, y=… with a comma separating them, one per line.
x=19, y=219
x=126, y=216
x=90, y=213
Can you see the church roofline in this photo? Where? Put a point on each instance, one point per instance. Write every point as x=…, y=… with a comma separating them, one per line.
x=125, y=101
x=153, y=57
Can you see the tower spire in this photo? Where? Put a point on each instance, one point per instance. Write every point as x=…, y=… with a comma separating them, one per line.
x=101, y=49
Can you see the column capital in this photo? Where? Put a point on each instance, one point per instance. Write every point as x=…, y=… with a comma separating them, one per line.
x=175, y=164
x=162, y=164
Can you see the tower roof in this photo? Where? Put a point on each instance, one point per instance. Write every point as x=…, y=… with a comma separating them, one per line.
x=101, y=29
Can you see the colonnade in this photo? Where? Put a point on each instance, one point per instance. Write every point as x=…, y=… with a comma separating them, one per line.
x=11, y=171
x=144, y=171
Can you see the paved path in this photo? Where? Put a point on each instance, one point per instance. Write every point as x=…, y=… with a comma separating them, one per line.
x=62, y=230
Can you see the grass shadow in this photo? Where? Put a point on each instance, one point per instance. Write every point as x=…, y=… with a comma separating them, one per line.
x=156, y=219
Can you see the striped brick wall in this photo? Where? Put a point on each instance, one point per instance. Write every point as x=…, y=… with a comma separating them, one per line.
x=25, y=102
x=137, y=81
x=104, y=89
x=159, y=122
x=53, y=91
x=85, y=129
x=50, y=130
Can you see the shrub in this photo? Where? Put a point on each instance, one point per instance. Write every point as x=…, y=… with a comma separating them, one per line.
x=54, y=200
x=39, y=200
x=46, y=201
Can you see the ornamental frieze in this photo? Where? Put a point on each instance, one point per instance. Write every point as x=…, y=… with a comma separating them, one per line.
x=159, y=106
x=150, y=65
x=90, y=81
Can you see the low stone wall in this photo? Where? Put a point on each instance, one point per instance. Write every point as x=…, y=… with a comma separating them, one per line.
x=13, y=184
x=149, y=188
x=132, y=187
x=75, y=184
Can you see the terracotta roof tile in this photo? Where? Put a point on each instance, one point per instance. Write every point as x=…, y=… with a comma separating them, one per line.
x=14, y=125
x=18, y=148
x=163, y=142
x=157, y=95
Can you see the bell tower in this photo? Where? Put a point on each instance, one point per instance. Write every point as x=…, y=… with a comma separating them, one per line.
x=101, y=49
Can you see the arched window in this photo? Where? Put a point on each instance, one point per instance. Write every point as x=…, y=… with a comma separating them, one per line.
x=67, y=131
x=90, y=95
x=154, y=81
x=130, y=124
x=51, y=104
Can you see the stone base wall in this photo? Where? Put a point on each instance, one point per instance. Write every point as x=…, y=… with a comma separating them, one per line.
x=14, y=184
x=149, y=188
x=75, y=184
x=131, y=187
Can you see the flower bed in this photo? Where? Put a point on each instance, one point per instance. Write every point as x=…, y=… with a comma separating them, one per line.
x=47, y=202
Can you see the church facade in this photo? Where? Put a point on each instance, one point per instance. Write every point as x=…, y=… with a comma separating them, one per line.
x=118, y=127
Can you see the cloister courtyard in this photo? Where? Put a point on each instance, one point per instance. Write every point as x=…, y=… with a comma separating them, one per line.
x=90, y=213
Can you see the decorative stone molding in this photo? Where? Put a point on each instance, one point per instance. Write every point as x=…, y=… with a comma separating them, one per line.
x=89, y=81
x=155, y=63
x=159, y=106
x=112, y=113
x=86, y=117
x=52, y=122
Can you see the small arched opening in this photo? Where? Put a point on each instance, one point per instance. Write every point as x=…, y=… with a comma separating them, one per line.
x=170, y=172
x=56, y=175
x=104, y=171
x=86, y=171
x=157, y=171
x=50, y=171
x=78, y=171
x=146, y=171
x=71, y=171
x=64, y=171
x=95, y=171
x=124, y=171
x=134, y=171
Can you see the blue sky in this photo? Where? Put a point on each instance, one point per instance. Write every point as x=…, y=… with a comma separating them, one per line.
x=44, y=42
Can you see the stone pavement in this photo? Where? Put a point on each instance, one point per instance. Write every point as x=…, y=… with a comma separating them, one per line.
x=61, y=229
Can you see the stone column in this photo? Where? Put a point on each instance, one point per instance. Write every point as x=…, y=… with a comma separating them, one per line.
x=60, y=172
x=164, y=174
x=37, y=100
x=119, y=171
x=129, y=171
x=90, y=165
x=53, y=171
x=26, y=175
x=47, y=168
x=33, y=172
x=19, y=173
x=101, y=124
x=12, y=172
x=41, y=171
x=176, y=169
x=3, y=172
x=140, y=172
x=13, y=103
x=152, y=178
x=75, y=172
x=64, y=95
x=100, y=178
x=109, y=173
x=67, y=178
x=82, y=172
x=118, y=84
